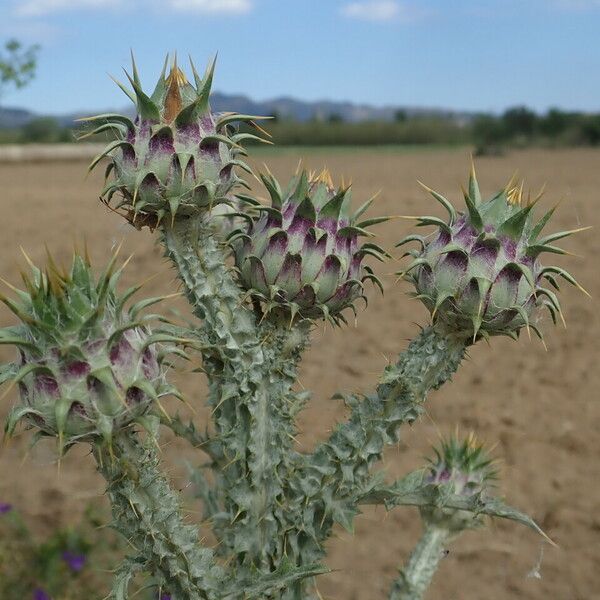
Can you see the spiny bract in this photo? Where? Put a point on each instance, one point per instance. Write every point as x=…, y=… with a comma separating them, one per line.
x=481, y=274
x=87, y=366
x=176, y=157
x=302, y=253
x=463, y=468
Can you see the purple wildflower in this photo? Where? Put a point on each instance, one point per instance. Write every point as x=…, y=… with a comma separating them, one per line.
x=76, y=562
x=40, y=594
x=5, y=507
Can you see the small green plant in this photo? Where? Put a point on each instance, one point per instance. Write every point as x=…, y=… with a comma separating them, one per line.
x=93, y=369
x=17, y=65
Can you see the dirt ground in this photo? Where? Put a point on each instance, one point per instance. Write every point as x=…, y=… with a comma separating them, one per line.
x=539, y=407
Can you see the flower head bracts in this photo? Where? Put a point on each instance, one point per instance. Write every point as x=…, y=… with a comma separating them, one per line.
x=481, y=274
x=87, y=366
x=302, y=254
x=465, y=465
x=176, y=157
x=461, y=468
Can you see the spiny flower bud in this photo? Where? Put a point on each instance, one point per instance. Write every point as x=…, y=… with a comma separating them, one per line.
x=87, y=366
x=302, y=254
x=462, y=468
x=176, y=157
x=481, y=274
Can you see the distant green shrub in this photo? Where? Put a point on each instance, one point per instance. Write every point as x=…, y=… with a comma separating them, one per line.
x=45, y=130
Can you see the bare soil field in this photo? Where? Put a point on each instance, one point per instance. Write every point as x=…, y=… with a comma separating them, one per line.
x=540, y=407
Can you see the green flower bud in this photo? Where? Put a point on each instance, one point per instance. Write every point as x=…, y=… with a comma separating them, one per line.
x=87, y=366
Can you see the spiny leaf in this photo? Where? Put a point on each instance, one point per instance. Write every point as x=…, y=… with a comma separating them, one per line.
x=537, y=229
x=474, y=192
x=553, y=237
x=474, y=214
x=443, y=201
x=515, y=225
x=146, y=107
x=565, y=275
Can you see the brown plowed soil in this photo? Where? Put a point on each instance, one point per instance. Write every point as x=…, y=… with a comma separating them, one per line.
x=540, y=407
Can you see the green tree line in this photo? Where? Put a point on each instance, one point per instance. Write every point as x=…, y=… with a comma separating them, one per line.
x=516, y=127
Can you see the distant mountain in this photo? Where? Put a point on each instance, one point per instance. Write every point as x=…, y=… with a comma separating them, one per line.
x=299, y=110
x=284, y=107
x=14, y=117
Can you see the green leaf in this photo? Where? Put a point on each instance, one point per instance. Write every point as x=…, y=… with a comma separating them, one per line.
x=112, y=146
x=515, y=225
x=443, y=201
x=117, y=127
x=553, y=237
x=283, y=577
x=427, y=220
x=217, y=137
x=274, y=190
x=412, y=491
x=227, y=118
x=537, y=249
x=474, y=215
x=160, y=90
x=564, y=274
x=146, y=107
x=474, y=192
x=109, y=118
x=344, y=514
x=412, y=238
x=373, y=221
x=333, y=207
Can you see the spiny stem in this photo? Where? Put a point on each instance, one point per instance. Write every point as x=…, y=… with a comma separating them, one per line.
x=334, y=478
x=147, y=512
x=429, y=361
x=273, y=434
x=251, y=370
x=416, y=576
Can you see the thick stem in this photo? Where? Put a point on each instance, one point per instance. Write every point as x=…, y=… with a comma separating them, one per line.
x=251, y=369
x=209, y=286
x=416, y=576
x=232, y=360
x=146, y=512
x=273, y=437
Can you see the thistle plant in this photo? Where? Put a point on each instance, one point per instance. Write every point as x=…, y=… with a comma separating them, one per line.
x=92, y=369
x=460, y=468
x=87, y=367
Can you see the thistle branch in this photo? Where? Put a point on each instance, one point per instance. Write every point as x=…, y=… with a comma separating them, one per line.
x=196, y=438
x=340, y=468
x=416, y=576
x=146, y=511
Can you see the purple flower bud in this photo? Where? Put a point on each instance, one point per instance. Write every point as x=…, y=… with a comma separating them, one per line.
x=40, y=594
x=76, y=562
x=5, y=507
x=304, y=252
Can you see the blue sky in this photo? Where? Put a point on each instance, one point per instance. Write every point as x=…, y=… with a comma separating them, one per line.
x=474, y=55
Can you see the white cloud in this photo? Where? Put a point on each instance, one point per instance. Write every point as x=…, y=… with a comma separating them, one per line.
x=36, y=8
x=30, y=31
x=212, y=6
x=383, y=10
x=376, y=10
